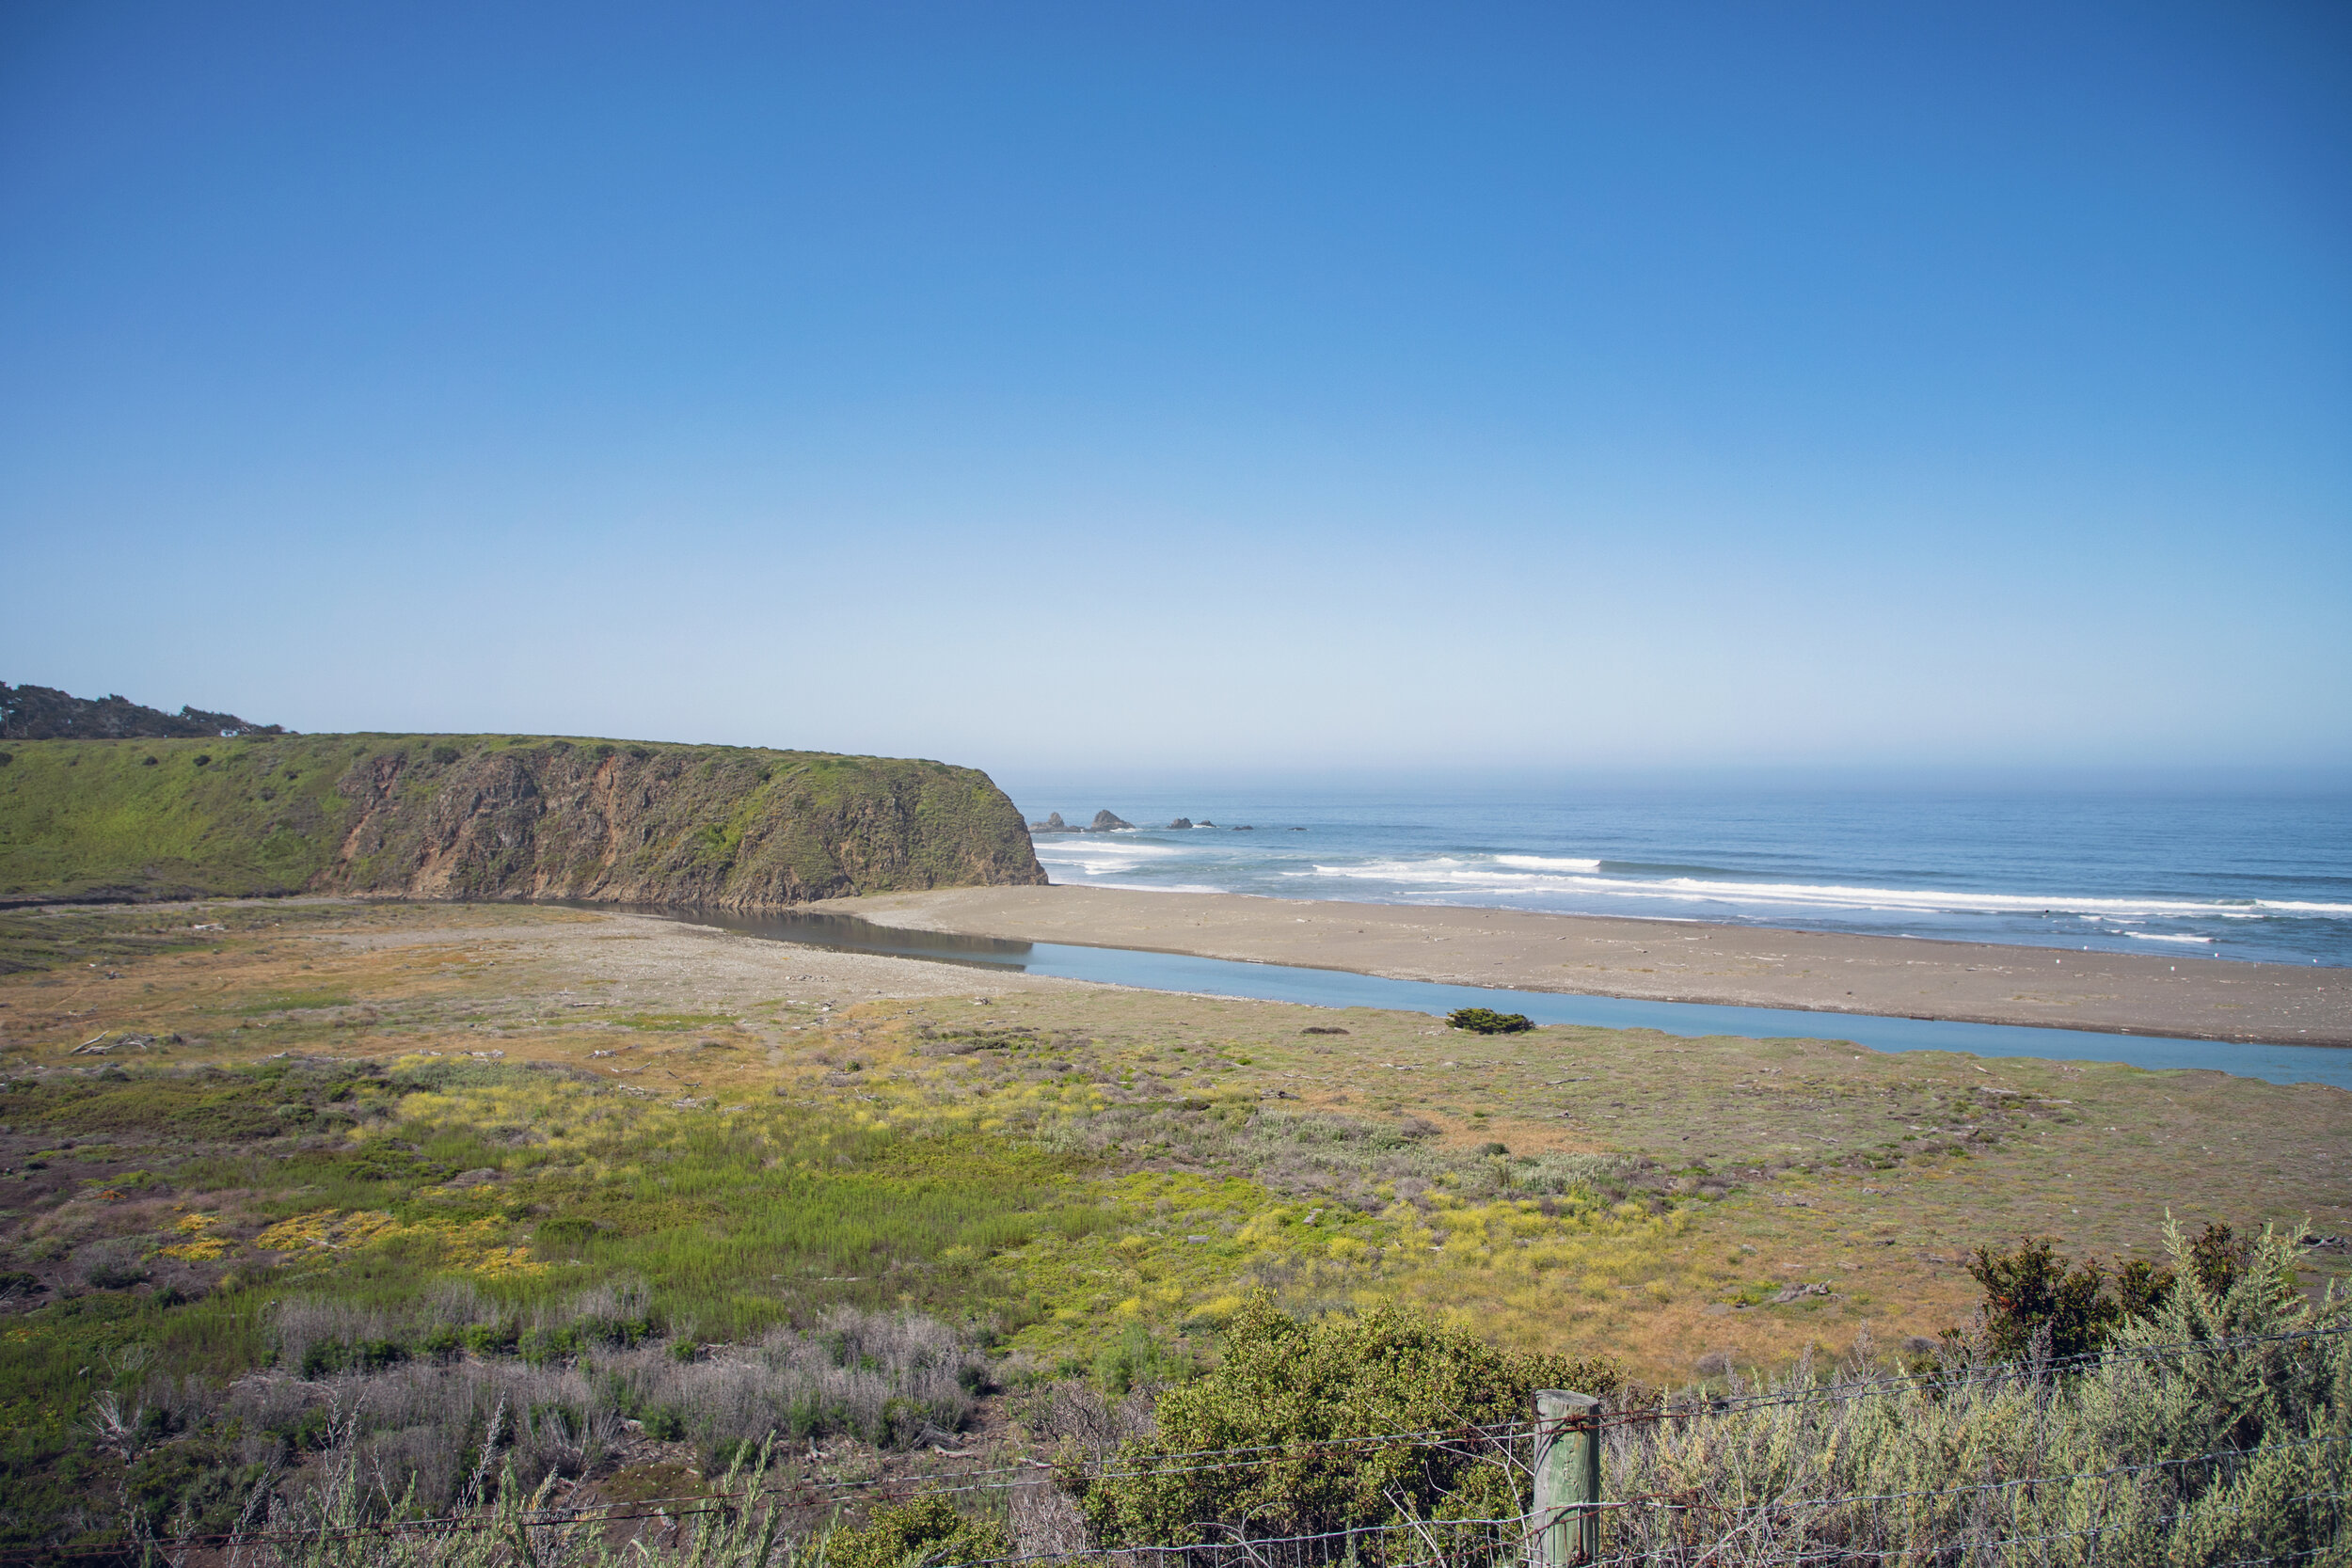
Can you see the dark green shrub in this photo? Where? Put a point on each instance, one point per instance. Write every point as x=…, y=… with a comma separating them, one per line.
x=666, y=1424
x=322, y=1356
x=1281, y=1382
x=1485, y=1021
x=444, y=755
x=109, y=1274
x=2141, y=1287
x=2036, y=1290
x=2220, y=1260
x=914, y=1534
x=370, y=1356
x=198, y=1484
x=808, y=1414
x=899, y=1424
x=302, y=1432
x=491, y=1339
x=1136, y=1361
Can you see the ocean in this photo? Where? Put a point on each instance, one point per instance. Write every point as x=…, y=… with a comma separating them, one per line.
x=2205, y=877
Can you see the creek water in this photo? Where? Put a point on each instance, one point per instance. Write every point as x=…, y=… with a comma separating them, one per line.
x=1335, y=987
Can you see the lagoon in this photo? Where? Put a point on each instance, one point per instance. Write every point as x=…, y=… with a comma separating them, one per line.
x=1334, y=988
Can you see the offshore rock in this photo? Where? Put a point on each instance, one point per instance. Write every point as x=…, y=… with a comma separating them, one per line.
x=1181, y=822
x=1104, y=822
x=1052, y=824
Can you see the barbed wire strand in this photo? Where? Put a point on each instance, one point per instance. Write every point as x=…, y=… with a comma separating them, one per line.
x=697, y=1505
x=1425, y=1527
x=691, y=1505
x=2065, y=1479
x=1529, y=1523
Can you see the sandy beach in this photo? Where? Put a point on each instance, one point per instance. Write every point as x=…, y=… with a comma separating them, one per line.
x=2161, y=993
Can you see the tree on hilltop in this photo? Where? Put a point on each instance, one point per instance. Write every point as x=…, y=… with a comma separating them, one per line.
x=45, y=713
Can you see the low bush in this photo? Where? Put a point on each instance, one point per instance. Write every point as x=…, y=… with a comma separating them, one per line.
x=2215, y=1428
x=1485, y=1021
x=918, y=1534
x=1136, y=1360
x=1311, y=1391
x=2039, y=1303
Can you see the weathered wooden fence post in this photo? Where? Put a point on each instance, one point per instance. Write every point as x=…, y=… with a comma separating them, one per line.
x=1567, y=1480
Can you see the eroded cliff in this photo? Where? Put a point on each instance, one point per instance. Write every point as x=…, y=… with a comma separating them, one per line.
x=472, y=816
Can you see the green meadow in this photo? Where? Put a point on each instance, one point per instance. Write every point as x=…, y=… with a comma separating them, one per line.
x=446, y=1174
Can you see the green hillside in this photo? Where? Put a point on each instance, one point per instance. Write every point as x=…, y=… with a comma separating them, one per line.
x=488, y=816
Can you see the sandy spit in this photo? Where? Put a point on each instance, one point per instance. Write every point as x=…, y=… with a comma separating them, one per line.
x=1653, y=960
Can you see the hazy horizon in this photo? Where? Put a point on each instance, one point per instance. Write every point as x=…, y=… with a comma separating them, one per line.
x=1019, y=777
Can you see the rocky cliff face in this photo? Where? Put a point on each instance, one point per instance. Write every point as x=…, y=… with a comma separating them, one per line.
x=446, y=816
x=739, y=830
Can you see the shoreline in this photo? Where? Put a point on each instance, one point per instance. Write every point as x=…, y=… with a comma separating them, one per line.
x=1658, y=960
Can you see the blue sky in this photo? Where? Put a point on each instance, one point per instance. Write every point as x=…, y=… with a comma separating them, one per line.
x=1195, y=388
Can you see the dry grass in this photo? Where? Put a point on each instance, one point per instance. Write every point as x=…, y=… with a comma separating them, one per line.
x=1791, y=1163
x=1658, y=1198
x=888, y=1381
x=2094, y=1154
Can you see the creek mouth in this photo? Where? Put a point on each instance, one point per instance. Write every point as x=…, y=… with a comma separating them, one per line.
x=1144, y=970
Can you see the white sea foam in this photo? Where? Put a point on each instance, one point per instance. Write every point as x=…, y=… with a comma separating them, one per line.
x=2160, y=936
x=1548, y=862
x=1105, y=846
x=1102, y=856
x=1436, y=865
x=1498, y=876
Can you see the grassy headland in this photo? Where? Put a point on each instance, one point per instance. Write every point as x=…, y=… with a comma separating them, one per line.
x=486, y=816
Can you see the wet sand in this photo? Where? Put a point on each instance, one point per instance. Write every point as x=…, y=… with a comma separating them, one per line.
x=2160, y=993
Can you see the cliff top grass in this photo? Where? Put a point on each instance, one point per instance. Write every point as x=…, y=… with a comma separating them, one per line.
x=270, y=815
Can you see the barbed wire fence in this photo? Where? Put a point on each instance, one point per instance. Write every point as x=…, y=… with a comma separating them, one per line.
x=1712, y=1480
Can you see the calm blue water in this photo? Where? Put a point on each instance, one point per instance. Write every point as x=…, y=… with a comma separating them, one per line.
x=2198, y=877
x=1326, y=988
